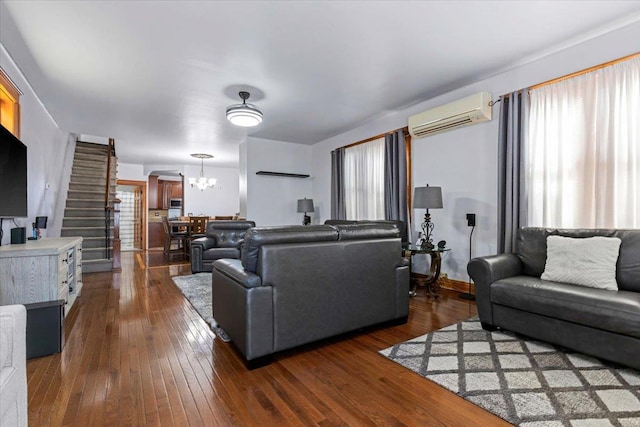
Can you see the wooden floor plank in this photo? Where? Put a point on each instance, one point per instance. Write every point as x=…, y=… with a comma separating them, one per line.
x=137, y=353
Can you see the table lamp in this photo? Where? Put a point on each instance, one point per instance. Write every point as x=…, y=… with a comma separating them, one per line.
x=305, y=205
x=427, y=198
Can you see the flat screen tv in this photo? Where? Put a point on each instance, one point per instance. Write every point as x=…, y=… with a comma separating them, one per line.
x=13, y=176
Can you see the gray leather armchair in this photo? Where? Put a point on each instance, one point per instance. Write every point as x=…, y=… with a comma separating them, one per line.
x=510, y=294
x=222, y=240
x=299, y=284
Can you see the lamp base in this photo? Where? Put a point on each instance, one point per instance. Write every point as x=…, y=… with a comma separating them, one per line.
x=426, y=245
x=306, y=220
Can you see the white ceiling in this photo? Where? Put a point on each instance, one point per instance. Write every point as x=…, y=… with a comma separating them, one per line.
x=158, y=75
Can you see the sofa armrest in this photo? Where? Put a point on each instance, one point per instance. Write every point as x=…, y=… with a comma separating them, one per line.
x=403, y=278
x=489, y=269
x=198, y=247
x=13, y=365
x=233, y=269
x=486, y=270
x=204, y=243
x=243, y=308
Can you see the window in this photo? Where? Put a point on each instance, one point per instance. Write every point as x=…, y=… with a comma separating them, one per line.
x=9, y=104
x=364, y=180
x=583, y=157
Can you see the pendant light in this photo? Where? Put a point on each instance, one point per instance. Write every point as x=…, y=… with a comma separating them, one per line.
x=202, y=182
x=245, y=115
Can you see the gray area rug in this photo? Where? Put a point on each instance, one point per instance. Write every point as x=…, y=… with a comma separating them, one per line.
x=197, y=289
x=526, y=382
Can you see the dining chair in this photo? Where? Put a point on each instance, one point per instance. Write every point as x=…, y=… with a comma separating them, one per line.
x=170, y=236
x=197, y=227
x=224, y=217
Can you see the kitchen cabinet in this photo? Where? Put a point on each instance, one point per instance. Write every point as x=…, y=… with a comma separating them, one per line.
x=176, y=190
x=168, y=190
x=156, y=235
x=153, y=192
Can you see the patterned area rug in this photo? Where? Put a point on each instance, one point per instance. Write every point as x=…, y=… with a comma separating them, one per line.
x=526, y=382
x=197, y=289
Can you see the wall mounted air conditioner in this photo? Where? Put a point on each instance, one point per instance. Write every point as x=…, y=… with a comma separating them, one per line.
x=466, y=111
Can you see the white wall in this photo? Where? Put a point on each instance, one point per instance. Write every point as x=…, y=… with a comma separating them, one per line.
x=223, y=199
x=242, y=148
x=49, y=158
x=464, y=161
x=131, y=172
x=273, y=200
x=147, y=169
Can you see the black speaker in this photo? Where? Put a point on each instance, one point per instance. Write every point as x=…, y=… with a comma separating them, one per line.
x=41, y=222
x=18, y=235
x=45, y=328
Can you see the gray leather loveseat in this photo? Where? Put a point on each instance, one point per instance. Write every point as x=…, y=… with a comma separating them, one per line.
x=604, y=323
x=299, y=284
x=222, y=241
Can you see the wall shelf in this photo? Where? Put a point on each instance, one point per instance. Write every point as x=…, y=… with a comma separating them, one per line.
x=290, y=175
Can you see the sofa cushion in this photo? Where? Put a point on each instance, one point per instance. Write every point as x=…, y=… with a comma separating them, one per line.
x=258, y=236
x=617, y=312
x=367, y=231
x=532, y=251
x=589, y=261
x=214, y=227
x=228, y=238
x=400, y=224
x=220, y=253
x=227, y=234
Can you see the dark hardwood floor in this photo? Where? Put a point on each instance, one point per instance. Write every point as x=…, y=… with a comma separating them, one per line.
x=137, y=353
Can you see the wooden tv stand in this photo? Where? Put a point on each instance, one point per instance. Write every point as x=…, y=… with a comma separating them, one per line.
x=41, y=270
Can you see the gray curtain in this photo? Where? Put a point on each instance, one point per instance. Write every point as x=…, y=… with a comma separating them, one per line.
x=395, y=178
x=512, y=189
x=338, y=207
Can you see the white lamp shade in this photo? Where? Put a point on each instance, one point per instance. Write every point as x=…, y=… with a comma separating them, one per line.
x=427, y=198
x=202, y=183
x=245, y=115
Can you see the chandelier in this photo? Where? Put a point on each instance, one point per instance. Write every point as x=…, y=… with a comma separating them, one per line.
x=202, y=182
x=245, y=115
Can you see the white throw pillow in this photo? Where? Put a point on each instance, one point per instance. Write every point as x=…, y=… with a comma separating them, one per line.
x=589, y=261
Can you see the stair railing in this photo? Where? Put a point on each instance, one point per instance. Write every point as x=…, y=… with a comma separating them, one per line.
x=108, y=208
x=116, y=265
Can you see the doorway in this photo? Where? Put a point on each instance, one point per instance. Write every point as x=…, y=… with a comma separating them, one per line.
x=133, y=214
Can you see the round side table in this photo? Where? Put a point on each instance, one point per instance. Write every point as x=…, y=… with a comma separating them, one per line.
x=426, y=280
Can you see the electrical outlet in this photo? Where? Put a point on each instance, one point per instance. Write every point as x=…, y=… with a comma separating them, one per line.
x=444, y=275
x=471, y=219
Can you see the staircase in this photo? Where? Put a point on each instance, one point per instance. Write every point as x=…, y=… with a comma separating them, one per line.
x=84, y=213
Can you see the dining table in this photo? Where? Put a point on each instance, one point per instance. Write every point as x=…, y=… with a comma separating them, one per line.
x=179, y=225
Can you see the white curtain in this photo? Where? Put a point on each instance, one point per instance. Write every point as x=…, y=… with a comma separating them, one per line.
x=364, y=180
x=584, y=150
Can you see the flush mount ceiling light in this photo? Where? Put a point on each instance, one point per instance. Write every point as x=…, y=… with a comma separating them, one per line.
x=201, y=182
x=245, y=115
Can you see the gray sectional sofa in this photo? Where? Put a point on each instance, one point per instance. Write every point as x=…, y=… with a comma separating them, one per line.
x=222, y=240
x=400, y=224
x=604, y=323
x=298, y=284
